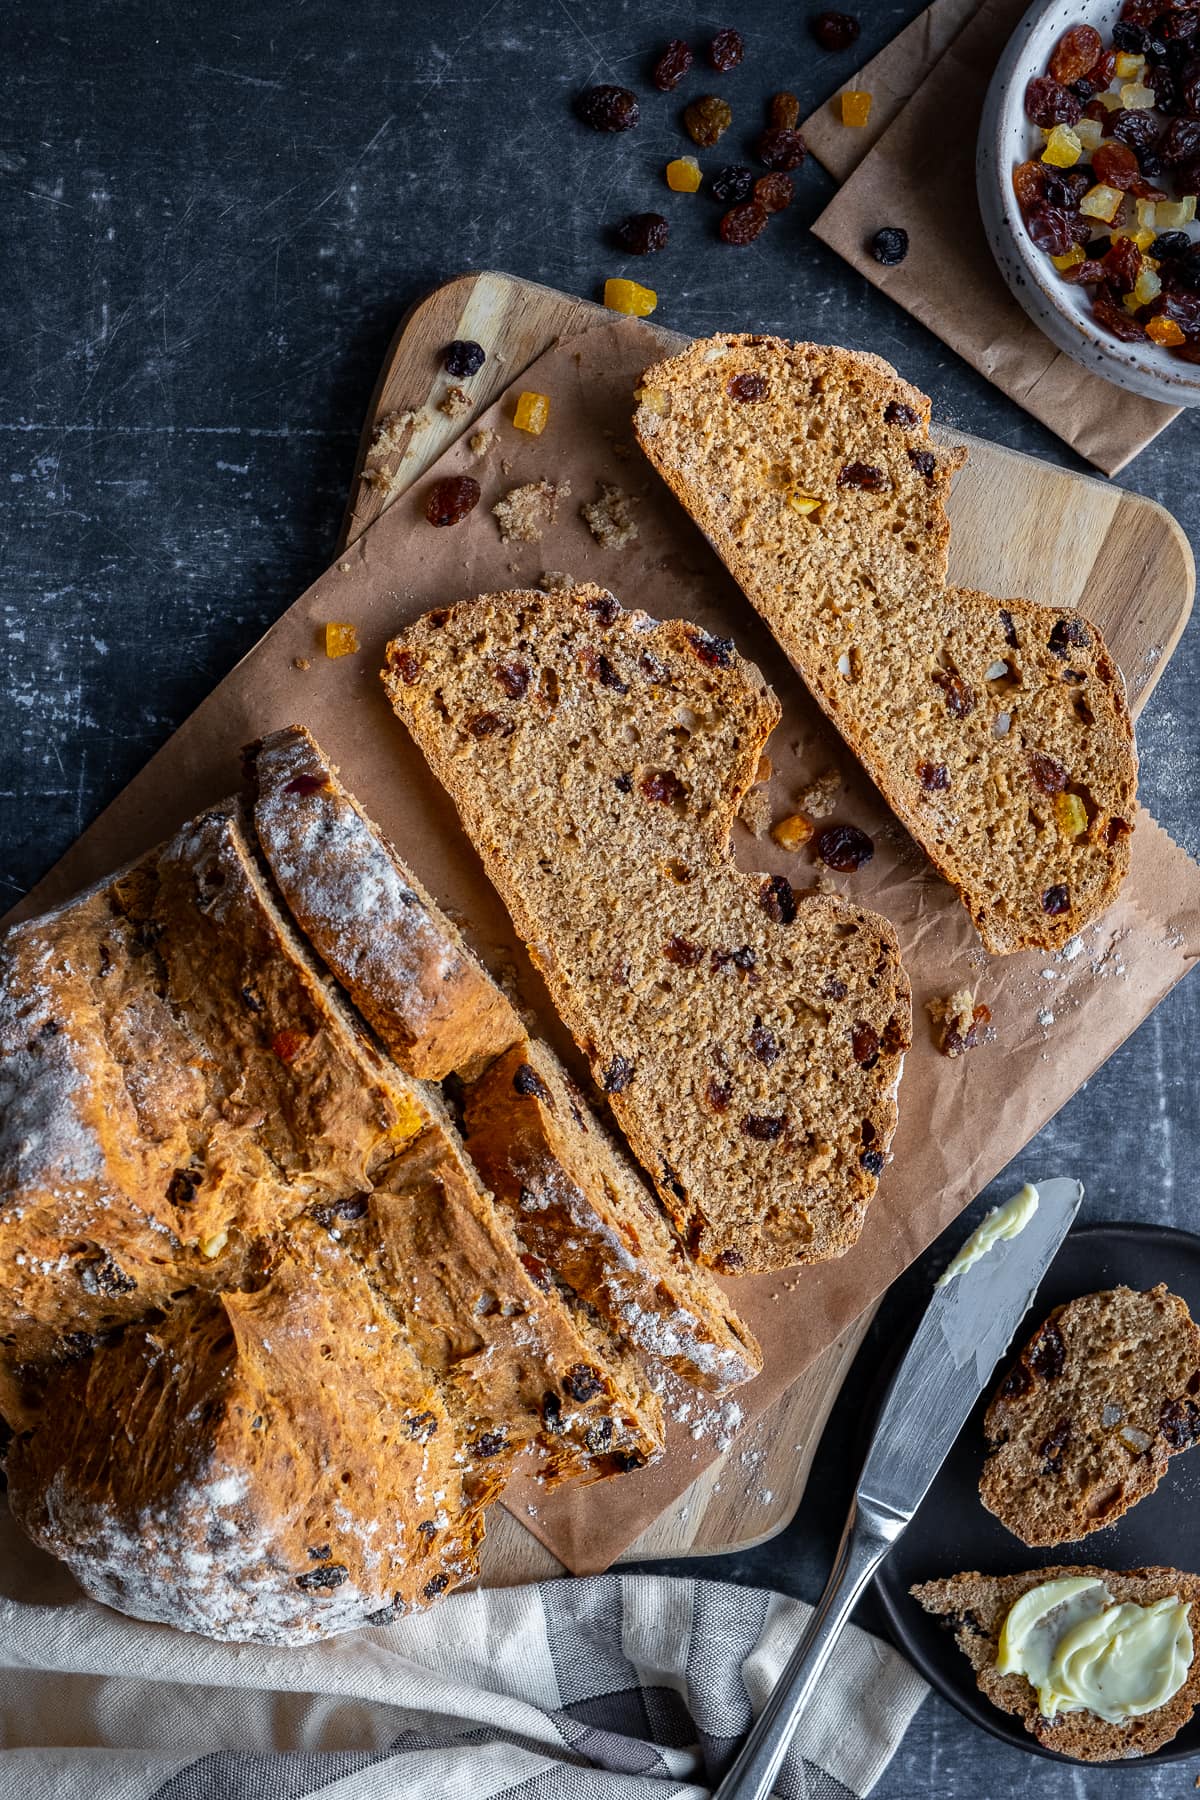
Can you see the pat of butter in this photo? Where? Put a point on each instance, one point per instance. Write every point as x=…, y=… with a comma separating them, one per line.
x=1085, y=1653
x=1006, y=1221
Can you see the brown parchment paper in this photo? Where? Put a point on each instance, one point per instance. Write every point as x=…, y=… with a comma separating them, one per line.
x=920, y=173
x=1056, y=1019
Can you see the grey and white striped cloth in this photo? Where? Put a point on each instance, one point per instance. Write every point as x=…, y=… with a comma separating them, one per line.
x=620, y=1687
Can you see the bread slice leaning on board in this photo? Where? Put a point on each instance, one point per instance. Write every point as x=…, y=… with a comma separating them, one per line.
x=996, y=729
x=975, y=1607
x=750, y=1040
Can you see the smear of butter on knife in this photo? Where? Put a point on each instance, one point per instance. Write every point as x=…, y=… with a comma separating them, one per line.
x=1007, y=1221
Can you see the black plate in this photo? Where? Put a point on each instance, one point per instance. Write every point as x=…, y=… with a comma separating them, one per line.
x=953, y=1531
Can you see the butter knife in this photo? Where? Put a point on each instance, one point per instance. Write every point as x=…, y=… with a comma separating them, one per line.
x=967, y=1327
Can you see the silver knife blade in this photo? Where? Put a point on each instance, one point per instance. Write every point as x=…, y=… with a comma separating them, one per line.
x=967, y=1328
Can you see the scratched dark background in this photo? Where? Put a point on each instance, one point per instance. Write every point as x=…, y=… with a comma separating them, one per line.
x=211, y=219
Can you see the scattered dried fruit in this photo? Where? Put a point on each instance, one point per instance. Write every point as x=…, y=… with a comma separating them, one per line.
x=706, y=120
x=793, y=832
x=607, y=108
x=844, y=848
x=463, y=358
x=742, y=224
x=889, y=246
x=781, y=149
x=643, y=233
x=451, y=499
x=532, y=413
x=834, y=30
x=683, y=175
x=783, y=112
x=862, y=475
x=1048, y=103
x=774, y=192
x=726, y=50
x=864, y=1044
x=1056, y=900
x=959, y=695
x=856, y=107
x=746, y=388
x=959, y=1022
x=1075, y=53
x=731, y=184
x=672, y=66
x=1070, y=815
x=896, y=413
x=340, y=639
x=934, y=777
x=629, y=297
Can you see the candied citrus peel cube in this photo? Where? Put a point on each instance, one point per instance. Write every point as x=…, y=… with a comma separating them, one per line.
x=340, y=639
x=1101, y=202
x=1063, y=148
x=1136, y=98
x=654, y=400
x=793, y=832
x=1089, y=132
x=856, y=107
x=1165, y=331
x=1169, y=215
x=1110, y=101
x=683, y=175
x=1145, y=212
x=800, y=502
x=1071, y=815
x=1069, y=258
x=629, y=297
x=532, y=412
x=1129, y=65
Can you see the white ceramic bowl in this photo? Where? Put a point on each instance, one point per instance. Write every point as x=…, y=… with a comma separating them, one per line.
x=1007, y=137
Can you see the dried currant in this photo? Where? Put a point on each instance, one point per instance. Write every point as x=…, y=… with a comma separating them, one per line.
x=764, y=1044
x=1179, y=1422
x=781, y=149
x=463, y=358
x=833, y=988
x=864, y=1044
x=102, y=1275
x=451, y=499
x=872, y=1161
x=732, y=184
x=1016, y=1383
x=437, y=1584
x=844, y=848
x=765, y=1128
x=1067, y=634
x=181, y=1189
x=488, y=724
x=1053, y=1447
x=1056, y=900
x=1075, y=53
x=1138, y=129
x=742, y=224
x=1170, y=244
x=862, y=475
x=715, y=652
x=582, y=1382
x=775, y=191
x=607, y=108
x=924, y=462
x=420, y=1428
x=1129, y=37
x=726, y=50
x=641, y=234
x=489, y=1443
x=834, y=30
x=746, y=388
x=706, y=120
x=718, y=1094
x=777, y=899
x=1008, y=628
x=618, y=1075
x=889, y=246
x=598, y=1436
x=672, y=66
x=783, y=112
x=934, y=777
x=896, y=413
x=1048, y=103
x=527, y=1081
x=329, y=1575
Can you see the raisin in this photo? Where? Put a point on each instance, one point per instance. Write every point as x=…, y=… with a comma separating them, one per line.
x=742, y=959
x=1075, y=53
x=1016, y=1383
x=181, y=1189
x=101, y=1275
x=1177, y=25
x=731, y=184
x=960, y=697
x=451, y=499
x=1170, y=243
x=437, y=1584
x=889, y=246
x=489, y=1443
x=715, y=652
x=780, y=149
x=609, y=677
x=1053, y=1447
x=1179, y=1422
x=427, y=1529
x=528, y=1081
x=341, y=1212
x=868, y=1132
x=552, y=1414
x=706, y=120
x=1046, y=774
x=582, y=1382
x=777, y=900
x=864, y=1043
x=718, y=1094
x=1048, y=1353
x=1048, y=103
x=783, y=112
x=463, y=358
x=742, y=224
x=1029, y=184
x=1129, y=37
x=1056, y=900
x=896, y=413
x=862, y=475
x=487, y=724
x=608, y=108
x=307, y=784
x=1008, y=628
x=844, y=848
x=764, y=1128
x=321, y=1552
x=934, y=777
x=406, y=665
x=663, y=786
x=672, y=66
x=1052, y=229
x=1181, y=141
x=623, y=783
x=726, y=50
x=618, y=1075
x=872, y=1161
x=924, y=462
x=834, y=988
x=641, y=234
x=1084, y=274
x=421, y=1427
x=764, y=1044
x=774, y=192
x=1137, y=129
x=834, y=30
x=1117, y=165
x=330, y=1575
x=513, y=678
x=604, y=607
x=598, y=1436
x=1067, y=633
x=683, y=954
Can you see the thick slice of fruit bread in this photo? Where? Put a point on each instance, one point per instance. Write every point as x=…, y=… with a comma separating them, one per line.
x=975, y=1607
x=750, y=1040
x=997, y=729
x=584, y=1218
x=1083, y=1424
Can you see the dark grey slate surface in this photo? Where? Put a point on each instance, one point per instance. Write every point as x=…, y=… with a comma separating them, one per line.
x=212, y=217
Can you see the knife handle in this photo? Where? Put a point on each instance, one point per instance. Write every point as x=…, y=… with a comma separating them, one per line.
x=869, y=1535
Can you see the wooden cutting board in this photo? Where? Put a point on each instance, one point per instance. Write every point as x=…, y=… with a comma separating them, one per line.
x=1020, y=526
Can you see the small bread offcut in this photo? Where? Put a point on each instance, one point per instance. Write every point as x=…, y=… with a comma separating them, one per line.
x=975, y=1607
x=997, y=730
x=1084, y=1423
x=749, y=1039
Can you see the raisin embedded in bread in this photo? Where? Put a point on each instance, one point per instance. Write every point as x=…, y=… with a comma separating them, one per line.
x=997, y=729
x=584, y=1218
x=750, y=1040
x=402, y=962
x=1084, y=1423
x=975, y=1607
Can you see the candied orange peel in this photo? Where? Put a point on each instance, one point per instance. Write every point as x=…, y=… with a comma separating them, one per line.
x=340, y=639
x=629, y=297
x=532, y=412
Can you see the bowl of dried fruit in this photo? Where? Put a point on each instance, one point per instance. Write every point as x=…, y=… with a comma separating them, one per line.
x=1088, y=172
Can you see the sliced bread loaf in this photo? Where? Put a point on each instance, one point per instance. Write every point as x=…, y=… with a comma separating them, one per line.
x=975, y=1607
x=997, y=729
x=1084, y=1423
x=749, y=1040
x=584, y=1218
x=396, y=953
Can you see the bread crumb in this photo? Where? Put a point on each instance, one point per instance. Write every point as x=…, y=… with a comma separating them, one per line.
x=524, y=513
x=455, y=402
x=610, y=519
x=391, y=429
x=301, y=662
x=755, y=811
x=765, y=769
x=481, y=441
x=820, y=796
x=506, y=465
x=343, y=568
x=792, y=832
x=553, y=581
x=959, y=1023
